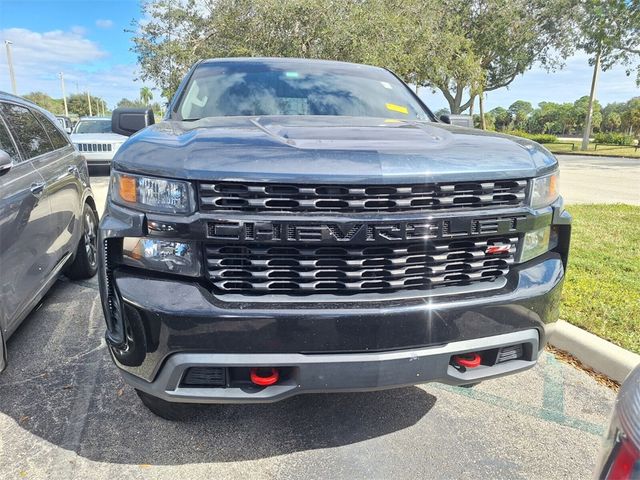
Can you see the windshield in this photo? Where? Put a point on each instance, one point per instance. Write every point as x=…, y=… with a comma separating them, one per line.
x=262, y=89
x=93, y=126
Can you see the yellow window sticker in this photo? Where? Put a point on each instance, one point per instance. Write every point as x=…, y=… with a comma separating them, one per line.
x=397, y=108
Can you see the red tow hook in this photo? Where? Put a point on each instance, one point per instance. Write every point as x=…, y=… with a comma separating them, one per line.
x=264, y=376
x=468, y=360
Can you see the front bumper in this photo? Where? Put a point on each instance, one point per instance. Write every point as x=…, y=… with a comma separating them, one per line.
x=174, y=322
x=169, y=316
x=349, y=372
x=98, y=159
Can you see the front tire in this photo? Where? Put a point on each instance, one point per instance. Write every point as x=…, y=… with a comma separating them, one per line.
x=162, y=408
x=85, y=264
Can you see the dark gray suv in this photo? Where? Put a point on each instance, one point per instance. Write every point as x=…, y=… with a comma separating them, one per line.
x=48, y=217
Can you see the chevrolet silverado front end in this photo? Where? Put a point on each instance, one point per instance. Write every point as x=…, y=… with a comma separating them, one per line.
x=300, y=226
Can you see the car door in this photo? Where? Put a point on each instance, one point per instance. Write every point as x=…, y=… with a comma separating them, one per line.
x=61, y=171
x=24, y=226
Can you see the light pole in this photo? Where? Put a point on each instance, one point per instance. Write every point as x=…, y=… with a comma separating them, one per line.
x=64, y=95
x=7, y=44
x=89, y=102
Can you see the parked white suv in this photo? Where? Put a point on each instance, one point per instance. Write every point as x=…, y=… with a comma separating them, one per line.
x=92, y=136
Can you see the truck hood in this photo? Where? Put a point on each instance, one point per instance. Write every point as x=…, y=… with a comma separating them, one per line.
x=321, y=149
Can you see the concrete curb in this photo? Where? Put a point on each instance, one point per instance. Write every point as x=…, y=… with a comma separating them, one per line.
x=611, y=360
x=596, y=155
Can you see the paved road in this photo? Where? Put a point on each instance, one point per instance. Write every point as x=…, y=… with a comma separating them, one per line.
x=65, y=413
x=585, y=179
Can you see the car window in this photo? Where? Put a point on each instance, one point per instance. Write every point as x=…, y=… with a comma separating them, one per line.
x=56, y=136
x=231, y=90
x=93, y=126
x=28, y=132
x=6, y=143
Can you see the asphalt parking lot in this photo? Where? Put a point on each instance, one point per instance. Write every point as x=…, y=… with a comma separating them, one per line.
x=65, y=413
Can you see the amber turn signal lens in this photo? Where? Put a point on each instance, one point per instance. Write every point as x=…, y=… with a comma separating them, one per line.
x=127, y=188
x=553, y=186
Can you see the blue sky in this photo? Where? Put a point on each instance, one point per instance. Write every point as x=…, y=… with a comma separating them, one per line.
x=86, y=40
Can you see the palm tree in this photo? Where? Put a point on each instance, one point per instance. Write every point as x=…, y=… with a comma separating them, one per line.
x=145, y=95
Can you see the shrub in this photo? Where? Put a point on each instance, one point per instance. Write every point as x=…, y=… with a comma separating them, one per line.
x=613, y=138
x=536, y=137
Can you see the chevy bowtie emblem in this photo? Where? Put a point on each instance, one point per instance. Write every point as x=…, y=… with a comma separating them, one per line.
x=497, y=249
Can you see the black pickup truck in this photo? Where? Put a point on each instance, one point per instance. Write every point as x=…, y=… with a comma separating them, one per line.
x=297, y=226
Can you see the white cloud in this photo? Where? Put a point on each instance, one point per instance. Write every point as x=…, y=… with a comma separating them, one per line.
x=50, y=50
x=104, y=23
x=38, y=57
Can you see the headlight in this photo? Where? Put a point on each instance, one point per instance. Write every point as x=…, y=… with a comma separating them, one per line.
x=152, y=194
x=538, y=242
x=545, y=190
x=162, y=255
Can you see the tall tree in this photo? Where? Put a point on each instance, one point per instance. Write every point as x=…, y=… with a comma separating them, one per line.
x=631, y=116
x=78, y=103
x=501, y=118
x=415, y=38
x=501, y=39
x=610, y=34
x=126, y=103
x=460, y=47
x=145, y=95
x=45, y=101
x=520, y=111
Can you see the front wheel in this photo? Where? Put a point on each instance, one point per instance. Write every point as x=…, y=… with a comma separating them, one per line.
x=85, y=265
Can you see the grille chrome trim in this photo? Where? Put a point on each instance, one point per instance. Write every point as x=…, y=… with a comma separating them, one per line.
x=308, y=269
x=94, y=147
x=263, y=197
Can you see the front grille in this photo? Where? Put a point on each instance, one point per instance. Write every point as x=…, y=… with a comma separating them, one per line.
x=261, y=197
x=306, y=269
x=94, y=147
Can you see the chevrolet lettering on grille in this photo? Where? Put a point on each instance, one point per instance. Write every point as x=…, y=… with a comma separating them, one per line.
x=359, y=232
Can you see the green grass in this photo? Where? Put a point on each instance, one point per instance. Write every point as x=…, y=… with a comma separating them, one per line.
x=602, y=289
x=611, y=150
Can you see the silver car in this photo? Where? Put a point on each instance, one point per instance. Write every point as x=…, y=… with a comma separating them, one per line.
x=93, y=138
x=48, y=217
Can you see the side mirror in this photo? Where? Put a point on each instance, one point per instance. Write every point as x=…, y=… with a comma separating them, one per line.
x=5, y=162
x=68, y=130
x=127, y=121
x=445, y=119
